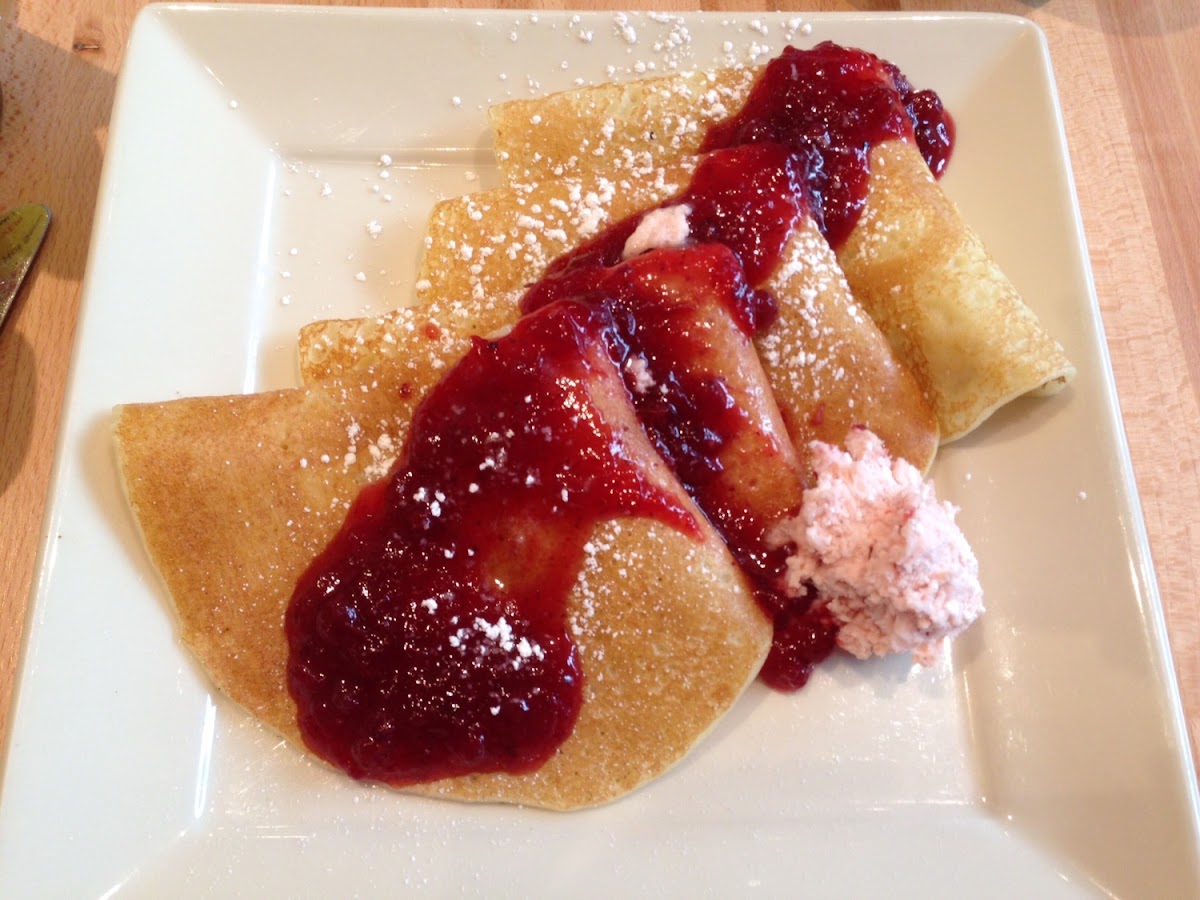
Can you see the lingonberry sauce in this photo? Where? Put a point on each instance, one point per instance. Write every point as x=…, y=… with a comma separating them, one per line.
x=833, y=104
x=430, y=638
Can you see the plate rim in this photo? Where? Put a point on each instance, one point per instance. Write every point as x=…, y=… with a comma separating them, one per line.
x=44, y=566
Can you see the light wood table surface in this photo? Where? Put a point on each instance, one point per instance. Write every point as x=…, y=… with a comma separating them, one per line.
x=1129, y=80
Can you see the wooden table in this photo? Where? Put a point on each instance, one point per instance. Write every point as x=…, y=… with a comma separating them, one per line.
x=1129, y=81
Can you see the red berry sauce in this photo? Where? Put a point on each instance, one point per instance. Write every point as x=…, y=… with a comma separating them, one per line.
x=685, y=317
x=833, y=104
x=430, y=638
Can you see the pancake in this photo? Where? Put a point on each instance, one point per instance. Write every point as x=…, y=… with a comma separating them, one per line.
x=922, y=274
x=829, y=366
x=236, y=496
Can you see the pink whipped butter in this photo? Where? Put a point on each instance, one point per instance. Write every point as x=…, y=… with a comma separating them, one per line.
x=882, y=553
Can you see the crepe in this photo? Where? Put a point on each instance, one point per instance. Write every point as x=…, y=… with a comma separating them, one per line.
x=828, y=365
x=926, y=278
x=235, y=496
x=922, y=274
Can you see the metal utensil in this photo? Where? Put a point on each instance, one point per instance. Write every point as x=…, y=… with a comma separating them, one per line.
x=21, y=234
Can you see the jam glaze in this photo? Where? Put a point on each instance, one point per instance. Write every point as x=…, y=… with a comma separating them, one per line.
x=832, y=105
x=430, y=639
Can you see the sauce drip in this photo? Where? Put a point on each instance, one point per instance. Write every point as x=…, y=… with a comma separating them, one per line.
x=833, y=104
x=805, y=636
x=430, y=638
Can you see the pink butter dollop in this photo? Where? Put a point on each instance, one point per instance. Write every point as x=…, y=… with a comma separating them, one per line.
x=882, y=553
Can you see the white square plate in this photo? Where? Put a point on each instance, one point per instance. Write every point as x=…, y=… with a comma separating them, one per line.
x=1048, y=756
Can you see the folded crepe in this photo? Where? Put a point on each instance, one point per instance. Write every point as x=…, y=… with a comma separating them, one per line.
x=236, y=496
x=911, y=261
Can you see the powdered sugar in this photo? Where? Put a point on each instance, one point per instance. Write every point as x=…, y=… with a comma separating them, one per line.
x=486, y=637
